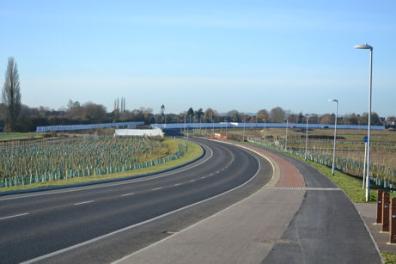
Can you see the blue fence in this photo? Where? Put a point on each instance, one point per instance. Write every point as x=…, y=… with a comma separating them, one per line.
x=258, y=125
x=43, y=129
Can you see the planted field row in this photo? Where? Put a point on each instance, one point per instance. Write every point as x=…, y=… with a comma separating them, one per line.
x=49, y=160
x=350, y=162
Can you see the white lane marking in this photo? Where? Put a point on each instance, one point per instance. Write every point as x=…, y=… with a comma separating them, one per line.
x=191, y=180
x=177, y=184
x=12, y=216
x=127, y=194
x=302, y=188
x=156, y=189
x=203, y=177
x=93, y=240
x=85, y=202
x=107, y=185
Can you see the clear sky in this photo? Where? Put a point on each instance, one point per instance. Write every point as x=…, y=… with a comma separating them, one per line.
x=243, y=55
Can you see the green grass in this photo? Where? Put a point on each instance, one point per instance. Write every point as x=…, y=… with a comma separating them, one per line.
x=389, y=258
x=350, y=185
x=194, y=151
x=9, y=136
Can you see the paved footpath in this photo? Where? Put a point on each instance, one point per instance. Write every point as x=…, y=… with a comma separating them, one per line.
x=298, y=217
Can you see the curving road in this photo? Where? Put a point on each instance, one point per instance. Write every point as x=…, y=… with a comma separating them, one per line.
x=85, y=223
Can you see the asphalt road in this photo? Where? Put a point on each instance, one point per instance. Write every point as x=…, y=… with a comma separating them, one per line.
x=33, y=226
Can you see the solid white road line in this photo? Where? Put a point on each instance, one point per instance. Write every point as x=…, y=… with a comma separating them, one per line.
x=157, y=188
x=85, y=202
x=12, y=216
x=304, y=188
x=127, y=194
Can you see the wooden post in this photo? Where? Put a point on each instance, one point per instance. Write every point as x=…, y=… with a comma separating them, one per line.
x=385, y=211
x=393, y=221
x=379, y=207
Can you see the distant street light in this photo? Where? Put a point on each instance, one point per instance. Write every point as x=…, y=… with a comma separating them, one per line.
x=335, y=135
x=244, y=128
x=306, y=138
x=287, y=127
x=366, y=46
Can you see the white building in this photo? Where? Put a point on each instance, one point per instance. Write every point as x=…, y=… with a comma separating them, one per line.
x=156, y=132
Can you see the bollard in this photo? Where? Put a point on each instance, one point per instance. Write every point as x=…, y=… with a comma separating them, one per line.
x=385, y=212
x=379, y=207
x=393, y=222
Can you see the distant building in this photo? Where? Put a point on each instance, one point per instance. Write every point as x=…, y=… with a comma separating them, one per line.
x=156, y=132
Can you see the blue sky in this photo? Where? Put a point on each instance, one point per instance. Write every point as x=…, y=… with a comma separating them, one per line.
x=243, y=55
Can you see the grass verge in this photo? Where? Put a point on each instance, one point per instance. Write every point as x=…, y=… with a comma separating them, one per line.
x=9, y=136
x=389, y=258
x=194, y=151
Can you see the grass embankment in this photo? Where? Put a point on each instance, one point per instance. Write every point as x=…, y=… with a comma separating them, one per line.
x=9, y=136
x=194, y=151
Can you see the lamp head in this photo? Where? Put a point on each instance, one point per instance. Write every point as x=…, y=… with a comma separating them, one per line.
x=363, y=46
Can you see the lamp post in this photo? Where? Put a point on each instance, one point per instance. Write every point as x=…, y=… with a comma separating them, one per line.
x=335, y=136
x=244, y=128
x=287, y=127
x=306, y=138
x=370, y=48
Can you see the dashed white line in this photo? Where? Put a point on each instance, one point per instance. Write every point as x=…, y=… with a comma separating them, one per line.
x=203, y=177
x=177, y=184
x=12, y=216
x=85, y=202
x=127, y=194
x=156, y=189
x=191, y=180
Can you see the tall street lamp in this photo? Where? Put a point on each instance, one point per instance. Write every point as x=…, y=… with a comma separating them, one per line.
x=370, y=48
x=335, y=136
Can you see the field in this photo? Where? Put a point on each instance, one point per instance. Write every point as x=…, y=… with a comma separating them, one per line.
x=350, y=148
x=24, y=163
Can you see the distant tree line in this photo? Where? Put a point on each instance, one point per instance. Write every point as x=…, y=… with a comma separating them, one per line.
x=88, y=113
x=14, y=116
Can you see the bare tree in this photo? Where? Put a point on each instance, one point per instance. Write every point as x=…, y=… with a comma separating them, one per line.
x=12, y=95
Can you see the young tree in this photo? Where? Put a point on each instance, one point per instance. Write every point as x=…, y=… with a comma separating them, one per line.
x=12, y=95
